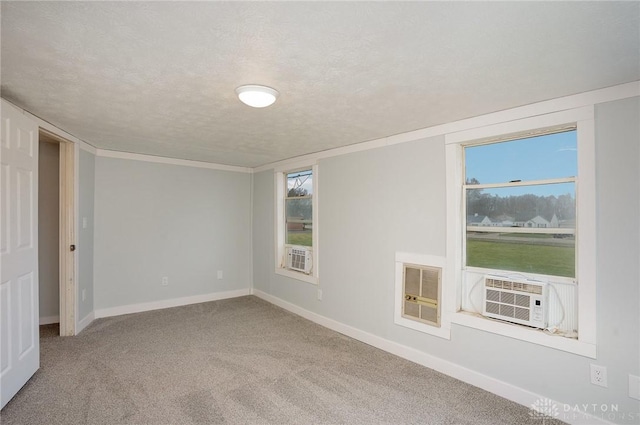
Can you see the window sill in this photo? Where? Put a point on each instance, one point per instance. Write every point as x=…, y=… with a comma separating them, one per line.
x=297, y=275
x=523, y=333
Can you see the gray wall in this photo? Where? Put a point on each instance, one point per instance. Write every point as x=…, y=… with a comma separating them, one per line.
x=377, y=202
x=85, y=234
x=154, y=220
x=618, y=233
x=48, y=229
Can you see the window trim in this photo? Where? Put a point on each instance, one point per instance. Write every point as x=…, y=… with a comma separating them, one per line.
x=583, y=119
x=280, y=222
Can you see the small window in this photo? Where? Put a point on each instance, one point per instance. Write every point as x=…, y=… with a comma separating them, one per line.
x=299, y=208
x=296, y=221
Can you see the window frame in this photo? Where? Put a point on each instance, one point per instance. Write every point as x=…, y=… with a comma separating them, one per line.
x=287, y=198
x=280, y=177
x=583, y=120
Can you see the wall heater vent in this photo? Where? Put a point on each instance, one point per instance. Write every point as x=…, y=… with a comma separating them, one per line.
x=519, y=301
x=421, y=292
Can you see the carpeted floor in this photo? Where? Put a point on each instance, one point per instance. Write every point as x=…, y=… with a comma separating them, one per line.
x=239, y=361
x=49, y=331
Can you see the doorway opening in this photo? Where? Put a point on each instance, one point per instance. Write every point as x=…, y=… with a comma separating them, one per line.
x=56, y=219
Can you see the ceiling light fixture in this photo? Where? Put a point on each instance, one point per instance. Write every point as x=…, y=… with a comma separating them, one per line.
x=257, y=96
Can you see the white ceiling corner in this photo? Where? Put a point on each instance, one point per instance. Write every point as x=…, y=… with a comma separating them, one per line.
x=158, y=78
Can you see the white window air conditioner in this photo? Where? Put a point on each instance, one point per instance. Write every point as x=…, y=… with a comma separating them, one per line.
x=516, y=300
x=299, y=259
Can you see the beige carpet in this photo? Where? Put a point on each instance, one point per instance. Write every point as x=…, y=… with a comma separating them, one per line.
x=239, y=361
x=50, y=331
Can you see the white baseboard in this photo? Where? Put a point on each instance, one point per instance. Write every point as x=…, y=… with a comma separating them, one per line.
x=566, y=413
x=86, y=321
x=49, y=320
x=174, y=302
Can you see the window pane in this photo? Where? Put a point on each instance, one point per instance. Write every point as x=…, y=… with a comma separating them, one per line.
x=299, y=183
x=535, y=206
x=536, y=158
x=523, y=252
x=299, y=209
x=532, y=207
x=299, y=222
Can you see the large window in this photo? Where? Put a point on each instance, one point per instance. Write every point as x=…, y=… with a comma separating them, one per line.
x=521, y=205
x=521, y=215
x=296, y=223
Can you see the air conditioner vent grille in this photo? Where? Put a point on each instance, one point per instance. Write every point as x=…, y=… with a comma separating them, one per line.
x=507, y=310
x=516, y=301
x=523, y=300
x=493, y=295
x=493, y=308
x=507, y=298
x=513, y=286
x=534, y=289
x=299, y=259
x=522, y=313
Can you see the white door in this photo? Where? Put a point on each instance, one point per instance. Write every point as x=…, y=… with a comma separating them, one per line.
x=19, y=338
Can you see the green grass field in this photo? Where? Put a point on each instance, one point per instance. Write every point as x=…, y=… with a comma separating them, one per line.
x=542, y=259
x=300, y=238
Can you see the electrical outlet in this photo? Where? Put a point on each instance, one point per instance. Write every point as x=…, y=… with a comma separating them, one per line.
x=219, y=274
x=319, y=294
x=165, y=281
x=634, y=387
x=84, y=294
x=599, y=375
x=84, y=222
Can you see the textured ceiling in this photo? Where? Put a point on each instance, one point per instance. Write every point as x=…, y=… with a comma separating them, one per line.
x=159, y=77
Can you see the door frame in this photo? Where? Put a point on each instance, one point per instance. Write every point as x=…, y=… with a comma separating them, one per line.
x=67, y=233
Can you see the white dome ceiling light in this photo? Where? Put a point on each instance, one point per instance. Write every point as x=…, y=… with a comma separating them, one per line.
x=257, y=96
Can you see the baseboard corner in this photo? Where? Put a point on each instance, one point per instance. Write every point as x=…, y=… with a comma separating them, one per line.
x=84, y=322
x=48, y=320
